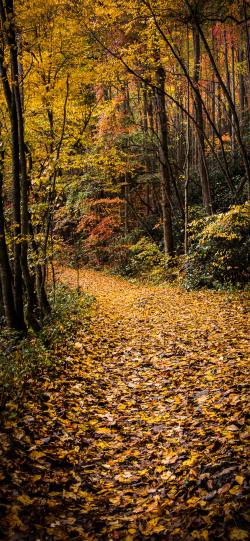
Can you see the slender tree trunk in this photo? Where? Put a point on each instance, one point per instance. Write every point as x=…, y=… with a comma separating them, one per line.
x=233, y=98
x=228, y=79
x=228, y=97
x=187, y=168
x=219, y=112
x=165, y=174
x=146, y=145
x=126, y=197
x=5, y=269
x=205, y=185
x=32, y=303
x=213, y=90
x=244, y=5
x=20, y=181
x=16, y=197
x=242, y=89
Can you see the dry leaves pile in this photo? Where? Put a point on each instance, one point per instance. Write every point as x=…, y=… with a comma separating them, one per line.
x=143, y=434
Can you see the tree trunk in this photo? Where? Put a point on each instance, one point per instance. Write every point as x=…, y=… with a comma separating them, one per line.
x=187, y=168
x=147, y=159
x=242, y=90
x=32, y=303
x=233, y=98
x=228, y=97
x=205, y=185
x=245, y=4
x=164, y=163
x=20, y=181
x=5, y=270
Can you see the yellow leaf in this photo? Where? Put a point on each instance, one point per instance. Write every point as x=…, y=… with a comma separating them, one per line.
x=14, y=520
x=36, y=478
x=210, y=377
x=190, y=461
x=170, y=457
x=239, y=479
x=104, y=430
x=201, y=535
x=159, y=528
x=102, y=444
x=160, y=469
x=235, y=490
x=78, y=345
x=152, y=527
x=167, y=475
x=69, y=495
x=193, y=501
x=36, y=455
x=236, y=534
x=143, y=472
x=26, y=500
x=228, y=435
x=11, y=405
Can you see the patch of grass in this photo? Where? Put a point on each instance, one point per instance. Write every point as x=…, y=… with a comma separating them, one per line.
x=24, y=358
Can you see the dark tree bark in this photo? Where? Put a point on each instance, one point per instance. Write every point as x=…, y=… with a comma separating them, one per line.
x=32, y=302
x=244, y=6
x=6, y=278
x=242, y=91
x=16, y=197
x=148, y=166
x=24, y=184
x=16, y=202
x=225, y=91
x=165, y=174
x=20, y=181
x=187, y=164
x=205, y=186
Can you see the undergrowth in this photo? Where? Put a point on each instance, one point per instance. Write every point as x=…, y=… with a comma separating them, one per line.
x=218, y=255
x=219, y=251
x=23, y=359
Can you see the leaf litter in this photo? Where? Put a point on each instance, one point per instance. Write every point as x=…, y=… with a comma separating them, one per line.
x=143, y=432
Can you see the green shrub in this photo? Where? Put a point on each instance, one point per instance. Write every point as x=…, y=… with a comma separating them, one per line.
x=219, y=250
x=23, y=358
x=144, y=259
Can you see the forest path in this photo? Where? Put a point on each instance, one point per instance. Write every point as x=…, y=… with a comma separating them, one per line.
x=169, y=370
x=143, y=433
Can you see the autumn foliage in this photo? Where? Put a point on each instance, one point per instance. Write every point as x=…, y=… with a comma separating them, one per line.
x=124, y=151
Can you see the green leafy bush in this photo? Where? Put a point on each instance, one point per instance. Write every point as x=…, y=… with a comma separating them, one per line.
x=144, y=259
x=219, y=250
x=23, y=358
x=145, y=256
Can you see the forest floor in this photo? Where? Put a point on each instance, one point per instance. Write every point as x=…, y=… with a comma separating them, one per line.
x=142, y=434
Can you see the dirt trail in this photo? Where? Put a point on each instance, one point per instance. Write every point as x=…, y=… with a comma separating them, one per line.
x=143, y=436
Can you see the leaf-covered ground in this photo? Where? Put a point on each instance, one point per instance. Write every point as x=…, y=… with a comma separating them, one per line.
x=143, y=433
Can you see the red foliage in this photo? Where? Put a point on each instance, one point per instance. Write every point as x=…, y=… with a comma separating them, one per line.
x=103, y=231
